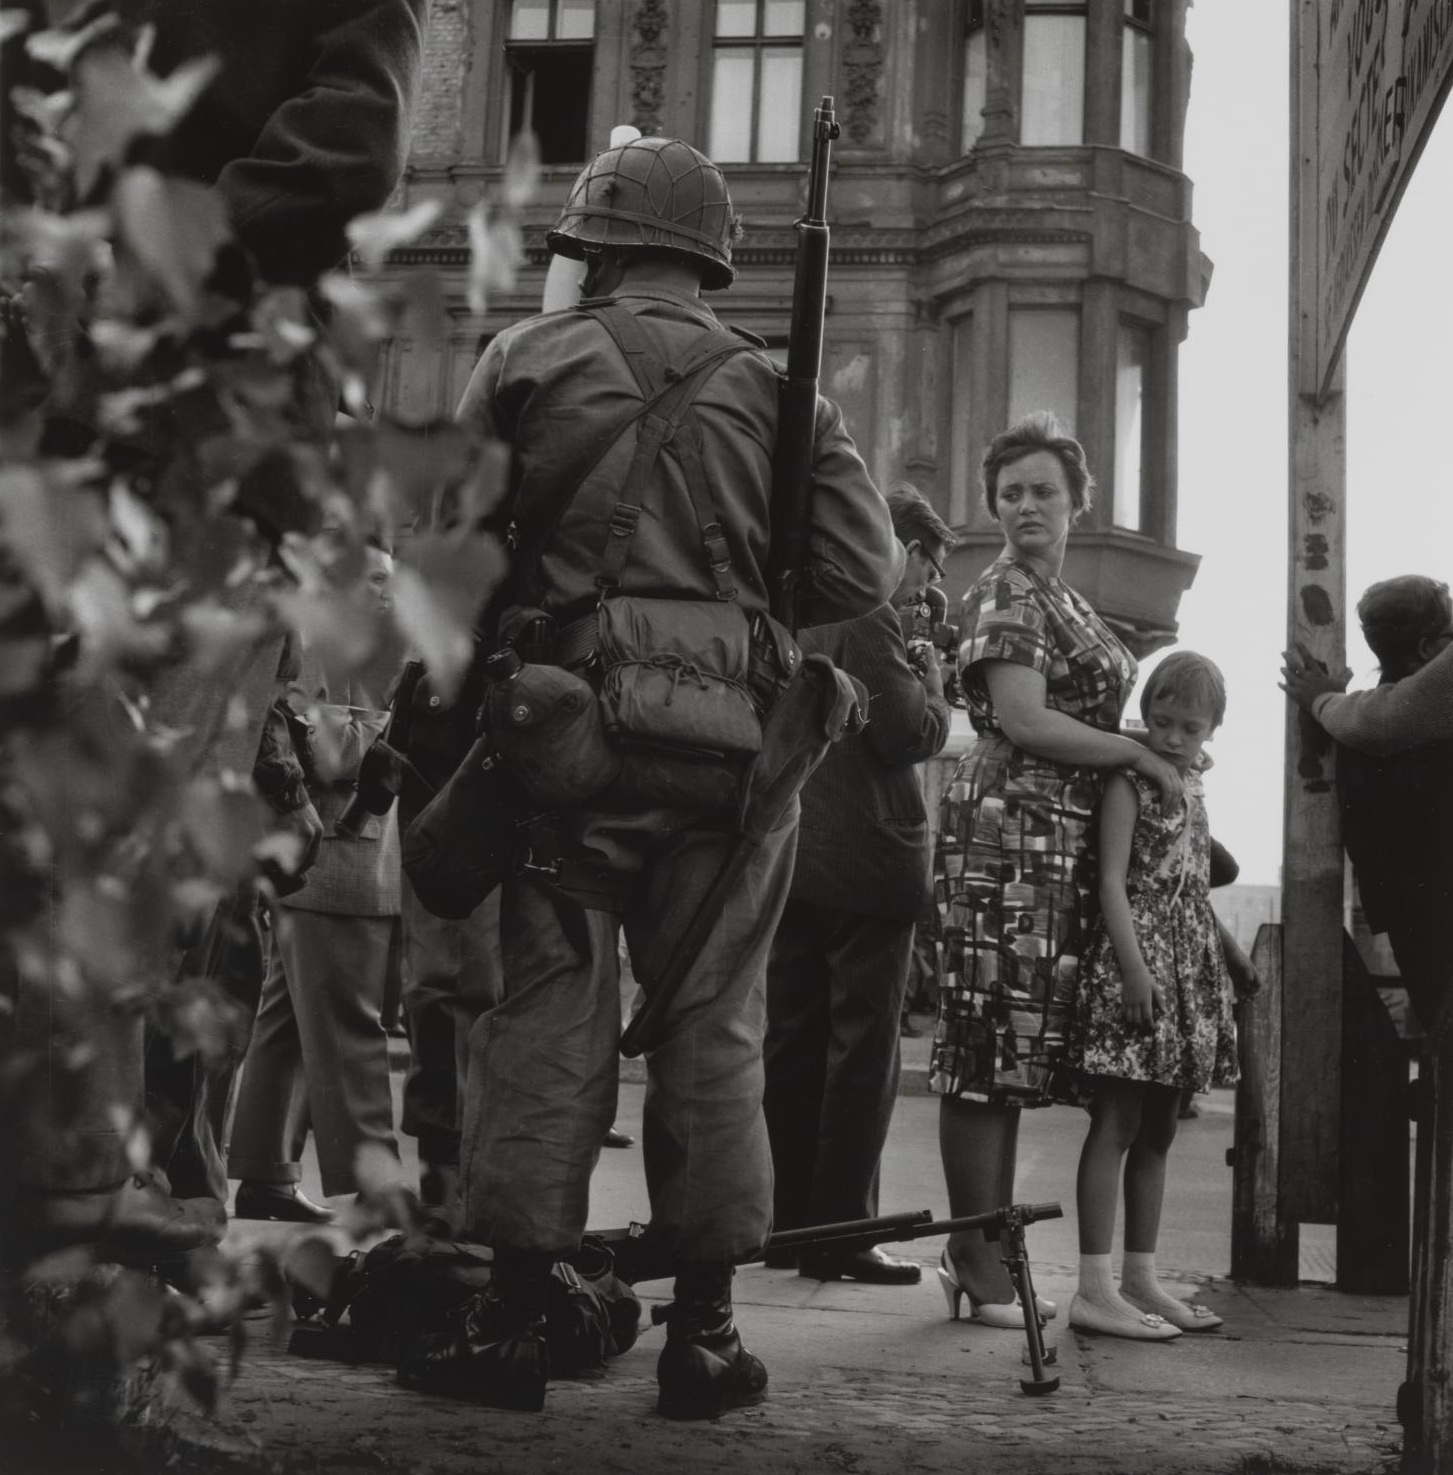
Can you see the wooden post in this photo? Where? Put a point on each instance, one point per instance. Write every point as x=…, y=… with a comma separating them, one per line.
x=1312, y=871
x=1372, y=1225
x=1425, y=1403
x=1264, y=1247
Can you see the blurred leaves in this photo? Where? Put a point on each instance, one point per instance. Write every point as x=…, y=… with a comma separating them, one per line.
x=174, y=228
x=168, y=468
x=374, y=236
x=119, y=100
x=496, y=241
x=50, y=525
x=439, y=590
x=311, y=1262
x=201, y=1018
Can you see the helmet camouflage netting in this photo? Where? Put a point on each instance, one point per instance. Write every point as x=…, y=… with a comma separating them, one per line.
x=655, y=192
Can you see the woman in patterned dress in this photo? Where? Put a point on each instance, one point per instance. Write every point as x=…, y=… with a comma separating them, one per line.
x=1045, y=681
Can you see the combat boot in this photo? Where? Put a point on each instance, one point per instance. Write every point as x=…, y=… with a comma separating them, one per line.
x=703, y=1369
x=494, y=1351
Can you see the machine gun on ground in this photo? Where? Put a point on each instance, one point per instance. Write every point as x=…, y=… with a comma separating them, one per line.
x=637, y=1259
x=405, y=1284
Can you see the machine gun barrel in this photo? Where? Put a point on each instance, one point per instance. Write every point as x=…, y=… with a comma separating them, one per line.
x=637, y=1258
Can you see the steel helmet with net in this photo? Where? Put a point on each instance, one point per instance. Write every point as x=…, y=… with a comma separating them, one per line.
x=656, y=192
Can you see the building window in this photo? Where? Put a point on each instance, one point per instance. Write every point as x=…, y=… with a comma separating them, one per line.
x=1052, y=103
x=756, y=81
x=976, y=75
x=550, y=56
x=1044, y=363
x=1132, y=364
x=1137, y=50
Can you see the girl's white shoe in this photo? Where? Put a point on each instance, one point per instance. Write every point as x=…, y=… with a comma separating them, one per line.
x=1138, y=1326
x=1188, y=1316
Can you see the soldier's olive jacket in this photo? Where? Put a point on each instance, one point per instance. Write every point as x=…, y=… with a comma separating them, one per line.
x=555, y=387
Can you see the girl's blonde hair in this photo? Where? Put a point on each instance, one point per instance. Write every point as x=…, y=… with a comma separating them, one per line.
x=1189, y=677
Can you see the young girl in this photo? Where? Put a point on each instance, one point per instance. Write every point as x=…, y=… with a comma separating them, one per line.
x=1153, y=1014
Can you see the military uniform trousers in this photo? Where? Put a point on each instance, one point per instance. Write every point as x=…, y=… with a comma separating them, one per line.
x=451, y=976
x=834, y=997
x=319, y=1054
x=544, y=1063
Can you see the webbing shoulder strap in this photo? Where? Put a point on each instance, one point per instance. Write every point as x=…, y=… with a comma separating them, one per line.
x=719, y=345
x=530, y=547
x=670, y=392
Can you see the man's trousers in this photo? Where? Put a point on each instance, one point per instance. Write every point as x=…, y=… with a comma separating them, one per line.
x=544, y=1065
x=451, y=976
x=319, y=1053
x=835, y=991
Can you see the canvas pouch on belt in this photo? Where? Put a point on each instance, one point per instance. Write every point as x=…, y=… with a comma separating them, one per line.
x=675, y=698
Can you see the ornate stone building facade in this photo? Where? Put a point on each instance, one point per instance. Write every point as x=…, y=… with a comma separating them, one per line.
x=1011, y=226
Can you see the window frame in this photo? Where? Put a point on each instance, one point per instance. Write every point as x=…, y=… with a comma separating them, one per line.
x=1080, y=10
x=1144, y=26
x=1071, y=308
x=757, y=43
x=515, y=75
x=1147, y=332
x=973, y=28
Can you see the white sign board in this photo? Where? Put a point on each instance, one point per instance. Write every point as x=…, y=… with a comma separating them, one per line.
x=1374, y=74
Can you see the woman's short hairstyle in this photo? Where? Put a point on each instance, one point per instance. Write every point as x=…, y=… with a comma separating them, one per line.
x=1398, y=614
x=915, y=520
x=1189, y=677
x=1039, y=431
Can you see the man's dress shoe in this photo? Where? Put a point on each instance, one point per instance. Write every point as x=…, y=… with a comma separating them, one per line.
x=872, y=1267
x=281, y=1201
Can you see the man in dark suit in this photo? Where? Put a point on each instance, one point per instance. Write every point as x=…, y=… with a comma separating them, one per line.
x=839, y=963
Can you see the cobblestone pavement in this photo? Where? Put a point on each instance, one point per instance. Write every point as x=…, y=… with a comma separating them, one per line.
x=878, y=1381
x=322, y=1416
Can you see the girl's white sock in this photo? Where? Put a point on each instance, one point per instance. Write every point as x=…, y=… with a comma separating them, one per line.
x=1137, y=1279
x=1097, y=1283
x=1097, y=1286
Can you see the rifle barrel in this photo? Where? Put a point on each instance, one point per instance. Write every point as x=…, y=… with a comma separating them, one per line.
x=797, y=394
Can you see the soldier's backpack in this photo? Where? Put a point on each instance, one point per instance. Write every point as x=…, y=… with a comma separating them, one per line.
x=683, y=683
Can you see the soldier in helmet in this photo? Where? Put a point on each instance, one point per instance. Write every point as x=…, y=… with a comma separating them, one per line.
x=653, y=221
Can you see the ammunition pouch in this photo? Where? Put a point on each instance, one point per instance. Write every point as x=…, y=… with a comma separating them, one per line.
x=466, y=839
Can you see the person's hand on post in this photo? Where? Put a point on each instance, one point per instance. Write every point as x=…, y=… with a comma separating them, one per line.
x=1141, y=996
x=1305, y=678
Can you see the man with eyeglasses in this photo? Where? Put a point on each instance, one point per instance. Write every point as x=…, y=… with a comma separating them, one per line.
x=840, y=959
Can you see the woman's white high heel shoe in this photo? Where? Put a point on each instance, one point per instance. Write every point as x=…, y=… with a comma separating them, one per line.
x=1007, y=1316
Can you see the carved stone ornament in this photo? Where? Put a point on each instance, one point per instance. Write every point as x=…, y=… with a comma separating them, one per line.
x=863, y=68
x=997, y=15
x=648, y=65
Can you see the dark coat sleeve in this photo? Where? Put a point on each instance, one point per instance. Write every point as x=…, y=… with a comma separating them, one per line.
x=863, y=843
x=905, y=724
x=338, y=147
